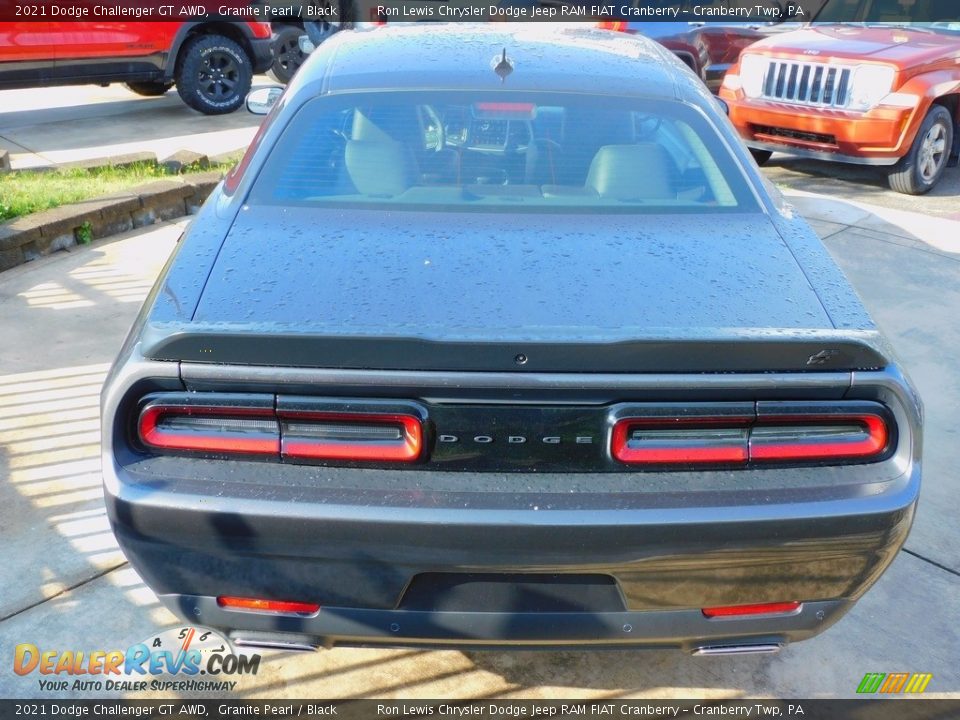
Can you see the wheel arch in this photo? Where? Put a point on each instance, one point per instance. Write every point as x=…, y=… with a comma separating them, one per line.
x=939, y=87
x=216, y=26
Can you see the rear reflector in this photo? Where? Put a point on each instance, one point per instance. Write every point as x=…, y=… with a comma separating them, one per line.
x=268, y=606
x=250, y=431
x=781, y=608
x=351, y=436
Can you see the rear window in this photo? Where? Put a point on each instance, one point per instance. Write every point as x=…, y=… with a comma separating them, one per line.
x=502, y=151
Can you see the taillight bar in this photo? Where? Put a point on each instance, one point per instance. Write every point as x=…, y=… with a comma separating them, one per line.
x=743, y=611
x=294, y=428
x=778, y=432
x=351, y=436
x=816, y=437
x=242, y=430
x=642, y=441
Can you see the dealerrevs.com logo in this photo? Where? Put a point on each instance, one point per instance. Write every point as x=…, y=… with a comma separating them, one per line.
x=179, y=659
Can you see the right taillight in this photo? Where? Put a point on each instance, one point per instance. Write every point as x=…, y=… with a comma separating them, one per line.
x=797, y=432
x=839, y=437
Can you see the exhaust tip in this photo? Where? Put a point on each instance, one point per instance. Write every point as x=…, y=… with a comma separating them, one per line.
x=764, y=649
x=275, y=641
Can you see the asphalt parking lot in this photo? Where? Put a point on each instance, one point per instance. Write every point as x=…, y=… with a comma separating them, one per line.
x=66, y=585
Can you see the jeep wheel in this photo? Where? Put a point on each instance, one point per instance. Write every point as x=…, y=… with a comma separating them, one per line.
x=761, y=156
x=149, y=89
x=921, y=168
x=213, y=74
x=287, y=57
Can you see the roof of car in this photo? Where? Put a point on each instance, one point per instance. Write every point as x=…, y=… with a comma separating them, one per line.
x=464, y=56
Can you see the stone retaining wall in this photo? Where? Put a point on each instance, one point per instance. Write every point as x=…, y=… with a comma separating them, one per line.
x=42, y=233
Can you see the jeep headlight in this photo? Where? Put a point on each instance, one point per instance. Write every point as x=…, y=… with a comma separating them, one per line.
x=869, y=85
x=752, y=70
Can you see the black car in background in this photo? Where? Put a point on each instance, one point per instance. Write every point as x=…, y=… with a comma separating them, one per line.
x=498, y=337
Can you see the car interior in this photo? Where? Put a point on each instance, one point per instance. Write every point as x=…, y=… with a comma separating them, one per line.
x=497, y=153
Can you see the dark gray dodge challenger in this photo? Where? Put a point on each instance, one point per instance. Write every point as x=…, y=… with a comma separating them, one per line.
x=497, y=337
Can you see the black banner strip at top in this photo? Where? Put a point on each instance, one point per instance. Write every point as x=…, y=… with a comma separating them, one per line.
x=354, y=11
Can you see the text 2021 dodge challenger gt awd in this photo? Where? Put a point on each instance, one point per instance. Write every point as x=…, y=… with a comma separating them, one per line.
x=499, y=338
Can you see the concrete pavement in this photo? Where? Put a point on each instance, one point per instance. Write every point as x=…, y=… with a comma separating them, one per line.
x=84, y=122
x=863, y=184
x=65, y=584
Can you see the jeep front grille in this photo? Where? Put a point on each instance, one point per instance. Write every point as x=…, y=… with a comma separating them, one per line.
x=808, y=83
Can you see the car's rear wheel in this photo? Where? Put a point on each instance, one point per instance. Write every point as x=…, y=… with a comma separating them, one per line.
x=287, y=56
x=761, y=156
x=149, y=89
x=213, y=74
x=922, y=167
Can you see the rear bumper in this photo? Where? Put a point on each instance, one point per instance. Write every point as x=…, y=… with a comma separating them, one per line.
x=358, y=561
x=660, y=545
x=878, y=137
x=688, y=630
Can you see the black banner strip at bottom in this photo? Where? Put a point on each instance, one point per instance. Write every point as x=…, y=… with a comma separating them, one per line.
x=873, y=709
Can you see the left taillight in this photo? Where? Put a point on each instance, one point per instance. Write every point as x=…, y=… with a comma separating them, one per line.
x=283, y=428
x=351, y=436
x=216, y=429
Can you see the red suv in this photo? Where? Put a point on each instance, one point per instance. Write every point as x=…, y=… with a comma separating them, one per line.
x=212, y=62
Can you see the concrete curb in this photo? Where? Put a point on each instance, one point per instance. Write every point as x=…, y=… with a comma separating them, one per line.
x=33, y=236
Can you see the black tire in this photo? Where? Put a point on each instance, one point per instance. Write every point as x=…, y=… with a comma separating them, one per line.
x=213, y=74
x=762, y=157
x=149, y=89
x=921, y=168
x=287, y=57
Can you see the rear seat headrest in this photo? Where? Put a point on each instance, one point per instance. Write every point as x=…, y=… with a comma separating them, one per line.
x=642, y=171
x=379, y=167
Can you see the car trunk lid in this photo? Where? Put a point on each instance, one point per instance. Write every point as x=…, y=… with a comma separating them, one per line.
x=495, y=292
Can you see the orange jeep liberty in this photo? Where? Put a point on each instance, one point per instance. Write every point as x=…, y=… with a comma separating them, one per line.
x=884, y=90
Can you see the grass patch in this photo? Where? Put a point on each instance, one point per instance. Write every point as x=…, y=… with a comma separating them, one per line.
x=23, y=191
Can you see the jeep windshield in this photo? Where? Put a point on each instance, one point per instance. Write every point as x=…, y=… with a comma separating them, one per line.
x=941, y=16
x=503, y=151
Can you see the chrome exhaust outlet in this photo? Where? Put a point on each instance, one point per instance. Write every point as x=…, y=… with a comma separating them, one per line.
x=275, y=641
x=767, y=649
